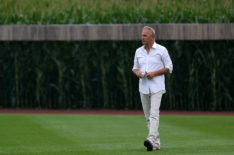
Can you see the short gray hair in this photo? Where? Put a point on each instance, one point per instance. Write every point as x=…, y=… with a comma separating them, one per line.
x=151, y=29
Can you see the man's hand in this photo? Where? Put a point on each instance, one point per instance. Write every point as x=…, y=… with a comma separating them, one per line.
x=138, y=73
x=150, y=75
x=162, y=71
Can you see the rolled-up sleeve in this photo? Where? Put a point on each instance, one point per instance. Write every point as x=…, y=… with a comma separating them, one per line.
x=167, y=61
x=135, y=65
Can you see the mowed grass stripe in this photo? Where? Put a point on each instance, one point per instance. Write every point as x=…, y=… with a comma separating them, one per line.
x=80, y=133
x=197, y=134
x=24, y=133
x=113, y=134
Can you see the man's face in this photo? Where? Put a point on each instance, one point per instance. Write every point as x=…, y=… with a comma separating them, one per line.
x=146, y=36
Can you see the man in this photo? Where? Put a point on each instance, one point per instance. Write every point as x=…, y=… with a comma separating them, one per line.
x=151, y=62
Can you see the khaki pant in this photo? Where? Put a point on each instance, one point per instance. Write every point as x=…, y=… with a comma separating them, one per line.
x=151, y=104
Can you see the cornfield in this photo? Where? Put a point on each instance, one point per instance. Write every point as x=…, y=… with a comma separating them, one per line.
x=97, y=74
x=115, y=11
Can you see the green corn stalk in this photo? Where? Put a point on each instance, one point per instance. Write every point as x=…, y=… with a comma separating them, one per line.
x=125, y=85
x=17, y=90
x=212, y=67
x=198, y=100
x=191, y=88
x=61, y=69
x=39, y=76
x=104, y=84
x=83, y=90
x=171, y=100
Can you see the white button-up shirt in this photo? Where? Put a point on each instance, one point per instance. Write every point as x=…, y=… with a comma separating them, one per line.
x=157, y=59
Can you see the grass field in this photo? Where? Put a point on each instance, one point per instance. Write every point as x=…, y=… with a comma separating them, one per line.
x=60, y=134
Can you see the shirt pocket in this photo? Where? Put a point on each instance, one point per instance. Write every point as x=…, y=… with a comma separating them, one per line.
x=141, y=60
x=156, y=59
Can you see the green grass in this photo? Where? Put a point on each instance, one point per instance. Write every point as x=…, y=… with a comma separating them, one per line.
x=50, y=134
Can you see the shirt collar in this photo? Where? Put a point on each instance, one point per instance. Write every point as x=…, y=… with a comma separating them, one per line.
x=154, y=45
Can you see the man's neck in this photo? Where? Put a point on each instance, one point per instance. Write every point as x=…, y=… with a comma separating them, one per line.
x=148, y=47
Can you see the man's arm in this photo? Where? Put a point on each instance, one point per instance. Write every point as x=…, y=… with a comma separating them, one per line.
x=137, y=73
x=167, y=69
x=135, y=68
x=162, y=71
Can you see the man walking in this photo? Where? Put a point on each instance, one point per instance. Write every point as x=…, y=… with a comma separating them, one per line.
x=151, y=62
